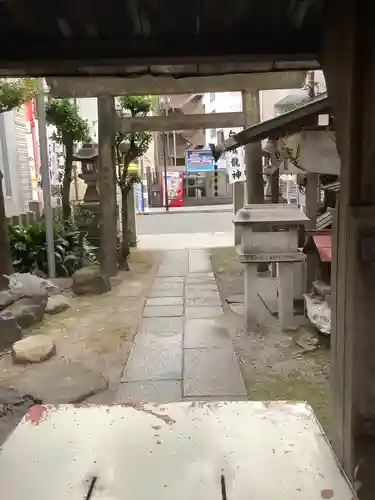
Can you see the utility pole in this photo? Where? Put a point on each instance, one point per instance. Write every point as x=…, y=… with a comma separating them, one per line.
x=46, y=181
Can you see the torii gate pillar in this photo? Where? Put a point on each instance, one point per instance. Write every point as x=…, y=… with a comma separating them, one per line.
x=349, y=65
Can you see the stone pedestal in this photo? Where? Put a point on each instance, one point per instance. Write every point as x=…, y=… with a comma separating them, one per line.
x=251, y=273
x=270, y=235
x=285, y=272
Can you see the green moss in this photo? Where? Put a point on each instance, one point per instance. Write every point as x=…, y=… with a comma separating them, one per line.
x=225, y=261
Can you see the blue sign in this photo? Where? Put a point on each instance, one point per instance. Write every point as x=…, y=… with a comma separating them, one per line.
x=199, y=160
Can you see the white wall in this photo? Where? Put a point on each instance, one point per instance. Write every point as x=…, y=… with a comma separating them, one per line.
x=221, y=102
x=14, y=162
x=88, y=108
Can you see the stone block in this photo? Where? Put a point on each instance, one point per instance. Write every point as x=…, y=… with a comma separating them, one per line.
x=90, y=280
x=33, y=349
x=26, y=311
x=57, y=304
x=10, y=331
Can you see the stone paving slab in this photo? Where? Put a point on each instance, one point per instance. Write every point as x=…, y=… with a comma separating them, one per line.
x=195, y=292
x=212, y=372
x=161, y=326
x=180, y=350
x=155, y=391
x=172, y=272
x=161, y=284
x=202, y=287
x=200, y=276
x=192, y=280
x=172, y=292
x=199, y=261
x=165, y=301
x=203, y=301
x=162, y=311
x=160, y=341
x=203, y=312
x=168, y=279
x=205, y=333
x=154, y=363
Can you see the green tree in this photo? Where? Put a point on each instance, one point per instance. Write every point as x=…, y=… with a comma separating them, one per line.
x=129, y=147
x=13, y=93
x=70, y=129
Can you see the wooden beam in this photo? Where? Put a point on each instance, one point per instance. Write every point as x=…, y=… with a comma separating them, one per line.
x=169, y=84
x=180, y=122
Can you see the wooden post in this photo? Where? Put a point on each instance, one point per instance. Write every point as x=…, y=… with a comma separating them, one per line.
x=107, y=185
x=238, y=203
x=253, y=151
x=253, y=155
x=311, y=212
x=350, y=83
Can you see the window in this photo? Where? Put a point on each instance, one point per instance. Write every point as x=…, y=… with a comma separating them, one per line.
x=212, y=96
x=213, y=133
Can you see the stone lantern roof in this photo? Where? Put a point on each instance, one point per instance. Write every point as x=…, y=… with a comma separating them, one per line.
x=89, y=151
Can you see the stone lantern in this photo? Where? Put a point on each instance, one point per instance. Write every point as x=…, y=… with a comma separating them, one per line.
x=88, y=156
x=269, y=233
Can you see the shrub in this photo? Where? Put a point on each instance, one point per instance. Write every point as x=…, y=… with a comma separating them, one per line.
x=28, y=246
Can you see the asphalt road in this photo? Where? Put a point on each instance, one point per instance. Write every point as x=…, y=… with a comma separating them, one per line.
x=174, y=223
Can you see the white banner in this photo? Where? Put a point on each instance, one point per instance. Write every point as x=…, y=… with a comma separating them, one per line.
x=236, y=165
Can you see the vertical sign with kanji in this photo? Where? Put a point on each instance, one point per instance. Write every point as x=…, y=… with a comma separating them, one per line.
x=236, y=165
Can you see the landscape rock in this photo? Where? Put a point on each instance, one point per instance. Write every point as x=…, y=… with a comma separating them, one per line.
x=4, y=282
x=57, y=304
x=33, y=349
x=26, y=310
x=10, y=331
x=6, y=299
x=90, y=280
x=308, y=342
x=13, y=406
x=58, y=382
x=30, y=285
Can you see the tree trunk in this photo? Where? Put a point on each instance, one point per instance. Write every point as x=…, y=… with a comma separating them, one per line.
x=6, y=266
x=68, y=170
x=125, y=234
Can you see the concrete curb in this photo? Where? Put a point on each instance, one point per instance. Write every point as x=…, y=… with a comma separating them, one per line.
x=187, y=212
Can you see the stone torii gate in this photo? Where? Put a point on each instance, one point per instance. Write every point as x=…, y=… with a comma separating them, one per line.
x=105, y=89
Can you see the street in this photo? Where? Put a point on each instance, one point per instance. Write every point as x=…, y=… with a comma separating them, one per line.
x=195, y=229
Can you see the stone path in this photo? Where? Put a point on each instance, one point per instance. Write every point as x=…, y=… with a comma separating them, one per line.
x=180, y=351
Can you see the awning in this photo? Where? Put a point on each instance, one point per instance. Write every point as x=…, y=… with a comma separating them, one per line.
x=323, y=243
x=285, y=124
